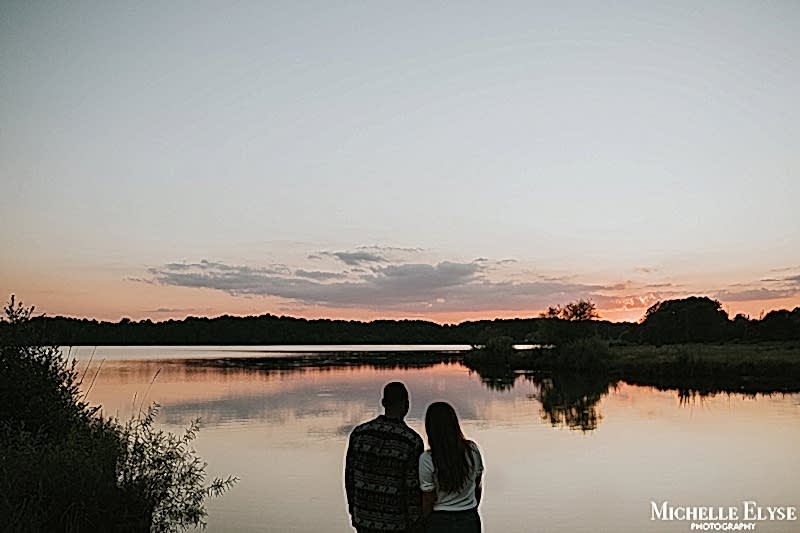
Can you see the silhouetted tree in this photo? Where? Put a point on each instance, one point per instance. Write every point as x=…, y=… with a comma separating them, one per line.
x=552, y=312
x=780, y=325
x=742, y=327
x=578, y=310
x=693, y=319
x=581, y=310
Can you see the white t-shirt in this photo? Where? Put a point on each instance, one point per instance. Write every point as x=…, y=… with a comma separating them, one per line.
x=451, y=501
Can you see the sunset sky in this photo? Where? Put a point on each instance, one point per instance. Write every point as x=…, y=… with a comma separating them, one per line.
x=403, y=160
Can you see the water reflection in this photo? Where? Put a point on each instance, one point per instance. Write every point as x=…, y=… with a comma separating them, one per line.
x=498, y=378
x=567, y=400
x=552, y=443
x=571, y=400
x=229, y=391
x=221, y=394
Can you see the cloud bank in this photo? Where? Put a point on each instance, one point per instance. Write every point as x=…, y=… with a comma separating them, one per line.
x=394, y=279
x=418, y=287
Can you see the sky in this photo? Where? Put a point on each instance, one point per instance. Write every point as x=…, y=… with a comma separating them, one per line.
x=362, y=160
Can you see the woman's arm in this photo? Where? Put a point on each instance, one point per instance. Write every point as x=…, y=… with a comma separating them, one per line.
x=478, y=489
x=426, y=484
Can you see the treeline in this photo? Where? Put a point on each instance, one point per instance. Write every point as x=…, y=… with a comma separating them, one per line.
x=270, y=330
x=701, y=319
x=693, y=319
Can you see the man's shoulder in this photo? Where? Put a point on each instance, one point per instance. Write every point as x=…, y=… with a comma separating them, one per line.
x=365, y=426
x=416, y=438
x=381, y=424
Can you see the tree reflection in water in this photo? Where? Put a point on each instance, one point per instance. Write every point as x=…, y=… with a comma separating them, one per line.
x=567, y=399
x=498, y=378
x=571, y=400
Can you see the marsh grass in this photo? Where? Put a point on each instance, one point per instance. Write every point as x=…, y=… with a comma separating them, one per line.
x=722, y=367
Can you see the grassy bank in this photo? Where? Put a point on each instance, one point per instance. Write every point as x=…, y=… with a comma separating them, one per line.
x=732, y=367
x=763, y=367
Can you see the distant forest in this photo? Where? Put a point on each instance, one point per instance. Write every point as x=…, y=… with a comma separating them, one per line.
x=686, y=320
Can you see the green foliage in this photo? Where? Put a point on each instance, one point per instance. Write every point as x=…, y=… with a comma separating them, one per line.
x=65, y=468
x=63, y=484
x=164, y=471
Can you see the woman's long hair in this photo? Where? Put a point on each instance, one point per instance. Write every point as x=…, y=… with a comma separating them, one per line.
x=452, y=457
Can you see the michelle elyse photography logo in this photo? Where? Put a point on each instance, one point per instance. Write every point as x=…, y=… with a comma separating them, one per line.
x=706, y=518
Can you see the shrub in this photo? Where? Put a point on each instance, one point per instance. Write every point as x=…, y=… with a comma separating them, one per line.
x=65, y=468
x=582, y=355
x=161, y=470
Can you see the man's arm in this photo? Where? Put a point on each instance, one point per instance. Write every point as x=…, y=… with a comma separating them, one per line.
x=413, y=494
x=348, y=474
x=428, y=499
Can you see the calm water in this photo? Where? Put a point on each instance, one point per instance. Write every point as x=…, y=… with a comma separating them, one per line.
x=560, y=457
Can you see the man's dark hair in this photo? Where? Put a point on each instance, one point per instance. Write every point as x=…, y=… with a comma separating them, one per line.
x=394, y=394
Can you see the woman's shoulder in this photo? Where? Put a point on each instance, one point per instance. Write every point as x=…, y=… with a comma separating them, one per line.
x=476, y=451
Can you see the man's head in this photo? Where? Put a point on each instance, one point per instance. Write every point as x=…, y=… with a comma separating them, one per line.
x=395, y=400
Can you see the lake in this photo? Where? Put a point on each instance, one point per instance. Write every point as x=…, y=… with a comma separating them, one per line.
x=561, y=456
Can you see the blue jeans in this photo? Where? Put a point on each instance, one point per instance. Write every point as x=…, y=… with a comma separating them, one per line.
x=454, y=522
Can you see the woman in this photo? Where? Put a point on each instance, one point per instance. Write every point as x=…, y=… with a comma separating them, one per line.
x=449, y=474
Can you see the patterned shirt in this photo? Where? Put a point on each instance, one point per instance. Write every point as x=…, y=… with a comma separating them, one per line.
x=381, y=476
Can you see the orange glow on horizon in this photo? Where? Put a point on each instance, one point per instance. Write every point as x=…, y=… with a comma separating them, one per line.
x=230, y=306
x=109, y=298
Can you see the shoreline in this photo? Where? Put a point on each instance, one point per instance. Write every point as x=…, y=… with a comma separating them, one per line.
x=762, y=368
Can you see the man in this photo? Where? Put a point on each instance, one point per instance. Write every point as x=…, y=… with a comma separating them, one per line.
x=381, y=476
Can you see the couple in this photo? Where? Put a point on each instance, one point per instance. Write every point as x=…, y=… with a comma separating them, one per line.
x=392, y=485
